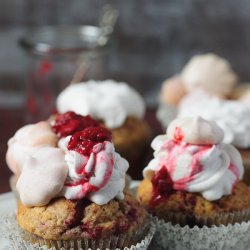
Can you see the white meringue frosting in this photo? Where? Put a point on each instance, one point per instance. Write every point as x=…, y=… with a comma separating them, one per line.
x=108, y=100
x=103, y=171
x=230, y=115
x=42, y=177
x=196, y=131
x=195, y=162
x=210, y=72
x=48, y=169
x=26, y=141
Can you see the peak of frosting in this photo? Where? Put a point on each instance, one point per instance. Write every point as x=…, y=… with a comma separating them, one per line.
x=99, y=176
x=68, y=123
x=97, y=98
x=211, y=72
x=192, y=158
x=195, y=130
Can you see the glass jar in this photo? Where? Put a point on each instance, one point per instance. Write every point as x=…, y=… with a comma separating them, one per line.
x=61, y=55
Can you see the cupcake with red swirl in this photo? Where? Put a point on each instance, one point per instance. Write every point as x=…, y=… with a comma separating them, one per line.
x=72, y=190
x=193, y=185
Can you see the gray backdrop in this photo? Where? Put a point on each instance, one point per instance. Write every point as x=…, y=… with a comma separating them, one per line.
x=155, y=37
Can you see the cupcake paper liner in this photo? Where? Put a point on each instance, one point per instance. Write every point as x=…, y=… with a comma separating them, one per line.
x=20, y=239
x=217, y=220
x=229, y=236
x=166, y=114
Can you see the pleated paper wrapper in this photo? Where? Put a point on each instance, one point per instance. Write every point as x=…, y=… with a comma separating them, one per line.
x=224, y=231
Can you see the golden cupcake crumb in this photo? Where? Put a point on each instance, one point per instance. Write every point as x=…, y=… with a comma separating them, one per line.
x=193, y=204
x=64, y=219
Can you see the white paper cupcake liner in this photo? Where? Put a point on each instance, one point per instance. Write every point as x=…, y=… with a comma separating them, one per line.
x=19, y=239
x=224, y=218
x=175, y=237
x=166, y=114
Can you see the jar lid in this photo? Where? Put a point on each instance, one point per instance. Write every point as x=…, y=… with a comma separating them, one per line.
x=65, y=39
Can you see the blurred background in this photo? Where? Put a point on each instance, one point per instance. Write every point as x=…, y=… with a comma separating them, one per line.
x=152, y=40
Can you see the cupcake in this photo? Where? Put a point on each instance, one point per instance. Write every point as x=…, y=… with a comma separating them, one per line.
x=208, y=72
x=72, y=189
x=231, y=115
x=119, y=107
x=194, y=186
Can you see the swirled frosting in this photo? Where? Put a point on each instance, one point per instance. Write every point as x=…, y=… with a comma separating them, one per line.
x=99, y=176
x=231, y=115
x=108, y=100
x=210, y=72
x=196, y=161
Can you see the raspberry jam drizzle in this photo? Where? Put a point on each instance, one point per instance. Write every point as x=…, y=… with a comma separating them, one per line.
x=84, y=141
x=178, y=134
x=162, y=186
x=70, y=123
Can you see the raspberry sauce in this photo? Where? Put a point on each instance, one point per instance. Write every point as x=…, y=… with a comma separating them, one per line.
x=162, y=186
x=178, y=134
x=84, y=141
x=70, y=123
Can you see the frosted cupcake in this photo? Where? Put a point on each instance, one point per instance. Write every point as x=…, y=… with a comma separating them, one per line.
x=71, y=189
x=208, y=72
x=119, y=107
x=231, y=115
x=194, y=185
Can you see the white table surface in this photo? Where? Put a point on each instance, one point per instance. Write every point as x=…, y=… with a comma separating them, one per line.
x=7, y=205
